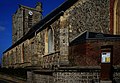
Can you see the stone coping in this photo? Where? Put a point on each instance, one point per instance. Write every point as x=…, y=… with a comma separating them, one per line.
x=81, y=67
x=69, y=67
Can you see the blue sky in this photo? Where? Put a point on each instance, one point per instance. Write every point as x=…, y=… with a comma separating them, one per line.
x=8, y=8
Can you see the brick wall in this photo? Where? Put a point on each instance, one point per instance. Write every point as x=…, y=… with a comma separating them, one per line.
x=88, y=54
x=77, y=54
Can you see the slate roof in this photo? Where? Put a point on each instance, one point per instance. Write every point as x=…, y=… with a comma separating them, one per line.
x=55, y=14
x=92, y=36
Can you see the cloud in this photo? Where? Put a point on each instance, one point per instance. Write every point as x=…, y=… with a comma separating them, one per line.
x=2, y=28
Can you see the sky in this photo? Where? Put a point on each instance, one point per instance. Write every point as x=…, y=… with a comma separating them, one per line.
x=8, y=8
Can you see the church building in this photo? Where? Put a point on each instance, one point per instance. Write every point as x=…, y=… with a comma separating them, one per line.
x=78, y=42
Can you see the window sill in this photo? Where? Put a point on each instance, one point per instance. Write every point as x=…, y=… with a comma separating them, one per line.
x=51, y=53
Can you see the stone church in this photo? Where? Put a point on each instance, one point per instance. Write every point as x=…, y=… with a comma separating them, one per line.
x=65, y=46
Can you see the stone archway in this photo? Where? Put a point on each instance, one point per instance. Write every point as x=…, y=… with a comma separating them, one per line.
x=117, y=17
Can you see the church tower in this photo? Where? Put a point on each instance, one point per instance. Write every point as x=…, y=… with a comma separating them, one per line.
x=23, y=19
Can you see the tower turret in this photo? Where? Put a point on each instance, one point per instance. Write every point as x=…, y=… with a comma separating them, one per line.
x=39, y=6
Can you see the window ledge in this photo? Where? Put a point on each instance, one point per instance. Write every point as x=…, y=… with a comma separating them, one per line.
x=51, y=53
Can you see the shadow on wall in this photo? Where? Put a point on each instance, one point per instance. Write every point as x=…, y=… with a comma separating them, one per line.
x=19, y=72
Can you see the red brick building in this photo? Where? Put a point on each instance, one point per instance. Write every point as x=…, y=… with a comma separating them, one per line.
x=85, y=50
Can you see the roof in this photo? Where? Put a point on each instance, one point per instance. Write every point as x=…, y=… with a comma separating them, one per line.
x=92, y=36
x=55, y=14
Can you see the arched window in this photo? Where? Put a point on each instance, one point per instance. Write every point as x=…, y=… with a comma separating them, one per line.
x=22, y=56
x=49, y=41
x=8, y=59
x=12, y=58
x=16, y=54
x=117, y=17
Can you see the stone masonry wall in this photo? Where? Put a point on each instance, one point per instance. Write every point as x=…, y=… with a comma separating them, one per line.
x=83, y=15
x=91, y=15
x=76, y=77
x=65, y=75
x=17, y=25
x=41, y=78
x=51, y=59
x=41, y=47
x=64, y=40
x=70, y=75
x=116, y=74
x=22, y=21
x=56, y=30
